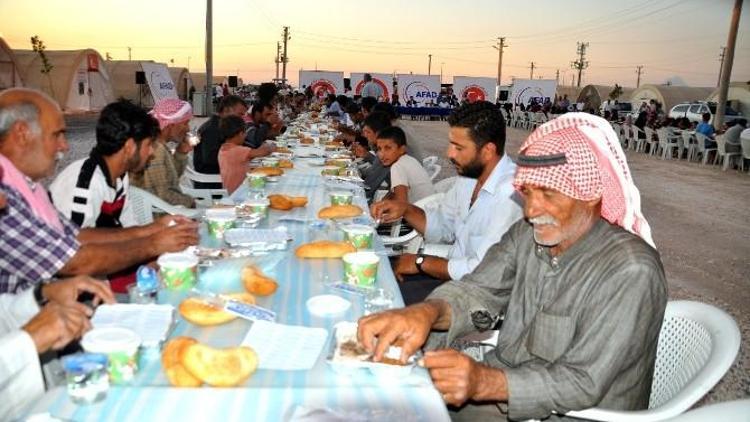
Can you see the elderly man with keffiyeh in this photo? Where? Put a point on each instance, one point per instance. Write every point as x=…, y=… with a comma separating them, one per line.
x=162, y=174
x=578, y=282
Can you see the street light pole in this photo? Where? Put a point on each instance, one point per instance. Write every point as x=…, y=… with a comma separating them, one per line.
x=209, y=57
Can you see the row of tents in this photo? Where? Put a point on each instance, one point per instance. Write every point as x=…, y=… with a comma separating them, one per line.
x=81, y=80
x=592, y=96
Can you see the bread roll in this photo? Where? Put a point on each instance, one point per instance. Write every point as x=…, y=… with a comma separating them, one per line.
x=340, y=211
x=286, y=164
x=298, y=201
x=280, y=202
x=256, y=282
x=268, y=171
x=171, y=361
x=201, y=312
x=324, y=249
x=220, y=367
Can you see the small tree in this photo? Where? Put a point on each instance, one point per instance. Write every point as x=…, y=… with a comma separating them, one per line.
x=616, y=92
x=38, y=46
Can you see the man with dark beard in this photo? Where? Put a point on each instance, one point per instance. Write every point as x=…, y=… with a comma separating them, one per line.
x=92, y=192
x=475, y=212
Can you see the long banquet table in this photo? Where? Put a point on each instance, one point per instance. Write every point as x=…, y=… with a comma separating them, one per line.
x=270, y=394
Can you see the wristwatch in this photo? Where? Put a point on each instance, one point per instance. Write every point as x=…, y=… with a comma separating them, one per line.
x=419, y=261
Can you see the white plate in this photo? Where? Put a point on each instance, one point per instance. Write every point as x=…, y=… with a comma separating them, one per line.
x=325, y=305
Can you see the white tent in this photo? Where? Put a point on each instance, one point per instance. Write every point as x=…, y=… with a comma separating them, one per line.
x=78, y=80
x=182, y=81
x=10, y=75
x=668, y=95
x=157, y=81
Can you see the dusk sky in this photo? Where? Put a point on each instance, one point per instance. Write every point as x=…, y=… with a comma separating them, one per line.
x=668, y=37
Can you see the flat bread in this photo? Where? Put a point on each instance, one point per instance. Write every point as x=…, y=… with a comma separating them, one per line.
x=258, y=283
x=171, y=361
x=220, y=367
x=340, y=211
x=324, y=249
x=268, y=171
x=201, y=312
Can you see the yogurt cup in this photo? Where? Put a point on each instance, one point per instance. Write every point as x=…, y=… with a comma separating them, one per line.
x=361, y=268
x=330, y=171
x=256, y=181
x=218, y=225
x=121, y=347
x=258, y=206
x=179, y=271
x=270, y=162
x=359, y=235
x=341, y=197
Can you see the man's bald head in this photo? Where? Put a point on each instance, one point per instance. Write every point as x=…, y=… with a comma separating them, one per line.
x=32, y=131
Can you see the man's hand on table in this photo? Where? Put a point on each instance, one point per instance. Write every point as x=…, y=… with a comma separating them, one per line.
x=65, y=292
x=170, y=220
x=57, y=325
x=388, y=211
x=406, y=265
x=459, y=378
x=175, y=238
x=410, y=325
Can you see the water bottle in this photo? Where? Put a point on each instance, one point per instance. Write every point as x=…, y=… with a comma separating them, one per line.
x=146, y=286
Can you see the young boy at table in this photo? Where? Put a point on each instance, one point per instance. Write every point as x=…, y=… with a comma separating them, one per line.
x=409, y=180
x=233, y=156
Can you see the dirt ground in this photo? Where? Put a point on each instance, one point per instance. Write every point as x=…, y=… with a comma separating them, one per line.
x=700, y=219
x=699, y=215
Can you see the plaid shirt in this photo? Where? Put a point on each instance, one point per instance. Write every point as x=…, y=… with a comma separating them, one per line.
x=32, y=251
x=162, y=176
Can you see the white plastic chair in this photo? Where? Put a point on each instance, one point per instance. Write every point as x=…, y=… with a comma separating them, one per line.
x=144, y=203
x=722, y=156
x=446, y=184
x=650, y=141
x=433, y=171
x=701, y=146
x=411, y=240
x=429, y=161
x=203, y=197
x=667, y=142
x=688, y=144
x=697, y=345
x=745, y=144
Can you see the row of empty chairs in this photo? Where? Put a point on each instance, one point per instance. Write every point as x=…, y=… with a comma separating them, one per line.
x=668, y=143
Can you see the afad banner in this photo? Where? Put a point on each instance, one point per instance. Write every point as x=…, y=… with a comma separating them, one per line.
x=523, y=91
x=322, y=82
x=159, y=80
x=422, y=88
x=474, y=88
x=383, y=80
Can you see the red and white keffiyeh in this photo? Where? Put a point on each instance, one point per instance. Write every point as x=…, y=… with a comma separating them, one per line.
x=170, y=111
x=579, y=155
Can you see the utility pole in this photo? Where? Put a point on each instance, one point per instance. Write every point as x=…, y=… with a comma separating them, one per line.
x=639, y=71
x=531, y=76
x=209, y=58
x=726, y=69
x=581, y=63
x=285, y=58
x=277, y=60
x=429, y=64
x=721, y=65
x=129, y=54
x=441, y=72
x=557, y=77
x=499, y=47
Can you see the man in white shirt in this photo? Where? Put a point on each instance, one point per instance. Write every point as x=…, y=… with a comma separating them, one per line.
x=371, y=88
x=475, y=212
